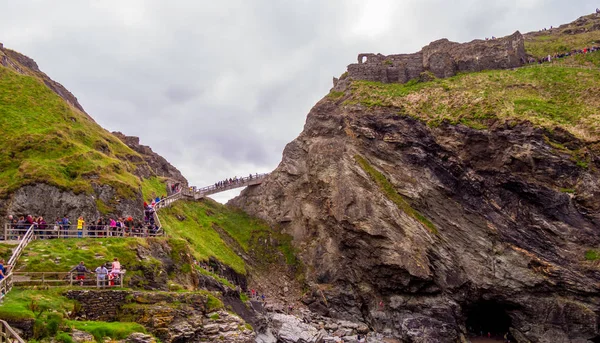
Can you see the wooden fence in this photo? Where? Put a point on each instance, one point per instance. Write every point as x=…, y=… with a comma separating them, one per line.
x=56, y=279
x=14, y=232
x=8, y=335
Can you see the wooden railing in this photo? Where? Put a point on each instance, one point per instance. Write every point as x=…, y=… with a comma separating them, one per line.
x=12, y=232
x=68, y=279
x=8, y=335
x=6, y=284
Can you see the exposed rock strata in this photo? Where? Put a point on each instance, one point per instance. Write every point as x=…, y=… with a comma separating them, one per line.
x=53, y=202
x=172, y=317
x=513, y=218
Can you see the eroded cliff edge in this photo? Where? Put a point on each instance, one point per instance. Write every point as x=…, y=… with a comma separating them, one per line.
x=431, y=211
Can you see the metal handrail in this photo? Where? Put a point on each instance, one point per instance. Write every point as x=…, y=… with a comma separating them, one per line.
x=28, y=237
x=8, y=335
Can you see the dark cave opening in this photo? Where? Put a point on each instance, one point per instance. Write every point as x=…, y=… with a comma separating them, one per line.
x=486, y=316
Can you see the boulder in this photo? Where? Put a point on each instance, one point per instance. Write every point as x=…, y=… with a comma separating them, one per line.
x=289, y=329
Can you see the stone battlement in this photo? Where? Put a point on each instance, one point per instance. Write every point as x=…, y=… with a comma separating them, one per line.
x=442, y=58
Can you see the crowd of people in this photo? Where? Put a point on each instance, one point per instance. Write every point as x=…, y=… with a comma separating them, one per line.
x=556, y=56
x=233, y=181
x=101, y=227
x=107, y=274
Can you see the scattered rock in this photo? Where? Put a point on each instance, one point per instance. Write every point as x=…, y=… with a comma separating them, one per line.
x=79, y=336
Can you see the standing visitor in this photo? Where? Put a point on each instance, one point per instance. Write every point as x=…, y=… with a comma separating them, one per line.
x=81, y=271
x=101, y=273
x=80, y=223
x=115, y=271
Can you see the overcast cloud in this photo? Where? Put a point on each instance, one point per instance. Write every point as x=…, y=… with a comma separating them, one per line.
x=219, y=87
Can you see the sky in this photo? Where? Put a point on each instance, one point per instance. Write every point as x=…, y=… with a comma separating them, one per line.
x=219, y=88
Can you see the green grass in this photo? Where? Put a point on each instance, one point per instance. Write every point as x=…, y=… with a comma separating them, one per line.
x=335, y=95
x=547, y=97
x=153, y=187
x=199, y=229
x=45, y=140
x=60, y=255
x=206, y=221
x=216, y=277
x=592, y=255
x=540, y=44
x=388, y=189
x=24, y=303
x=101, y=330
x=213, y=303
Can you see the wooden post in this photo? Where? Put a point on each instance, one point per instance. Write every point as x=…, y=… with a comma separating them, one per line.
x=71, y=278
x=107, y=228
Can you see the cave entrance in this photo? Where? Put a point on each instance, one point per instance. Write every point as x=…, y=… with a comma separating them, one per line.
x=488, y=316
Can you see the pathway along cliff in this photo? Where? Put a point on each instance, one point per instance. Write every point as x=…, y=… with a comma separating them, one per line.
x=446, y=208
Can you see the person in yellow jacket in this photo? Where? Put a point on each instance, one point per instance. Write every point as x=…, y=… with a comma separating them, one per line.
x=80, y=223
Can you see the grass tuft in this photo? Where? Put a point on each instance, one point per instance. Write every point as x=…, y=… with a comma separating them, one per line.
x=388, y=189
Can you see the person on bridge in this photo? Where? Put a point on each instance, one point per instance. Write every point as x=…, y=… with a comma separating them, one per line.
x=81, y=271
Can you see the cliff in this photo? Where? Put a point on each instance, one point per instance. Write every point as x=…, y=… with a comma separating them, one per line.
x=441, y=208
x=55, y=160
x=154, y=163
x=27, y=66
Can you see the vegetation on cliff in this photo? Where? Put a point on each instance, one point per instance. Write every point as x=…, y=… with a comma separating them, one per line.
x=222, y=232
x=548, y=96
x=579, y=34
x=45, y=140
x=50, y=311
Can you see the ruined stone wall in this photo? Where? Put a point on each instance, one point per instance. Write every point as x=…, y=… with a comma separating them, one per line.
x=443, y=58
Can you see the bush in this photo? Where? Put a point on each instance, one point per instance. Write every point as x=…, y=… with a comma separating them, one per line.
x=63, y=337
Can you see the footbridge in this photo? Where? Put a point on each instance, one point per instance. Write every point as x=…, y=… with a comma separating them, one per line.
x=195, y=193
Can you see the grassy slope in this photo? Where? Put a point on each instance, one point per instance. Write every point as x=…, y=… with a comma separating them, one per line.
x=559, y=40
x=198, y=229
x=198, y=232
x=60, y=255
x=153, y=187
x=46, y=140
x=546, y=96
x=553, y=95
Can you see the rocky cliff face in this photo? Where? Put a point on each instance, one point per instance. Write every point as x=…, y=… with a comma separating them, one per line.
x=433, y=233
x=155, y=164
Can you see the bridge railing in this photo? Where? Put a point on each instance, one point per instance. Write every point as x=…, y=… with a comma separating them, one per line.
x=14, y=232
x=8, y=335
x=243, y=181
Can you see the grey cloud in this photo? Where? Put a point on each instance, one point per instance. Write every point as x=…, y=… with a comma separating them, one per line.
x=219, y=88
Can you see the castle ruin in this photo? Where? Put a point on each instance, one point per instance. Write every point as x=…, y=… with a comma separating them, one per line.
x=442, y=58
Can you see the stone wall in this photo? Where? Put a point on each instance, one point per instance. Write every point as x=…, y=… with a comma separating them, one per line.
x=171, y=317
x=442, y=58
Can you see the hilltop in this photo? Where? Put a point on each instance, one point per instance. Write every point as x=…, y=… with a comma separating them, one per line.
x=453, y=200
x=56, y=159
